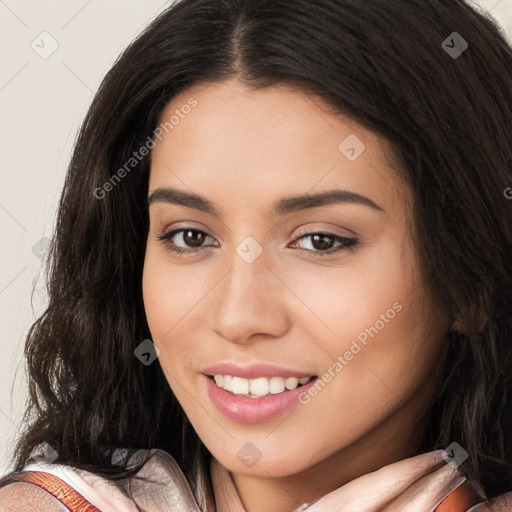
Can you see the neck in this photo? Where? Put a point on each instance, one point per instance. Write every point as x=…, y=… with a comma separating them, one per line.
x=394, y=439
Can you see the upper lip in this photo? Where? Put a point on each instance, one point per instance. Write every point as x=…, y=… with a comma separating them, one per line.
x=253, y=371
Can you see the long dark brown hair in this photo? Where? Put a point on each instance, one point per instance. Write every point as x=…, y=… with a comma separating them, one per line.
x=384, y=63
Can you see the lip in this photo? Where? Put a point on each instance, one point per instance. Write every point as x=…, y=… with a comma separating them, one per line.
x=253, y=410
x=253, y=371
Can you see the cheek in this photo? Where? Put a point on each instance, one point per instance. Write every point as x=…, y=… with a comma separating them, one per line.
x=369, y=323
x=171, y=301
x=369, y=290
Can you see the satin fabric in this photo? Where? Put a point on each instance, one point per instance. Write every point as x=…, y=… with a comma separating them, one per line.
x=161, y=486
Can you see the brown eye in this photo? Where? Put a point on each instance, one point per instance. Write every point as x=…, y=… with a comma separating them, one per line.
x=194, y=238
x=322, y=242
x=184, y=240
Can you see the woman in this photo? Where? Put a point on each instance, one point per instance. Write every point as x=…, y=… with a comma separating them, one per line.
x=281, y=270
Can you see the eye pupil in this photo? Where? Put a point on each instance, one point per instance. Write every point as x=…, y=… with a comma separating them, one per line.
x=197, y=238
x=323, y=244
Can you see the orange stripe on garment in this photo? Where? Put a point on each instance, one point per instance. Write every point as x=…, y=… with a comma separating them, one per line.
x=68, y=496
x=461, y=499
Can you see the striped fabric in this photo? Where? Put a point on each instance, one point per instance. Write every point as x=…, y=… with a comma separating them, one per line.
x=68, y=496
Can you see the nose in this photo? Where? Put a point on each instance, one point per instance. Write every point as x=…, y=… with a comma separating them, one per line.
x=250, y=302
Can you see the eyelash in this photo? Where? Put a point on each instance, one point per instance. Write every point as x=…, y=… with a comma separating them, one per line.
x=347, y=244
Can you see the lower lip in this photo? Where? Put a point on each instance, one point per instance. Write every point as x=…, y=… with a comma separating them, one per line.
x=253, y=410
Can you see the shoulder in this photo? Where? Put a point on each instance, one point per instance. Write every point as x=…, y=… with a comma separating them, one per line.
x=57, y=487
x=501, y=503
x=160, y=481
x=25, y=497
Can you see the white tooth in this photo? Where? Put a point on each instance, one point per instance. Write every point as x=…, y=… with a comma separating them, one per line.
x=276, y=385
x=240, y=386
x=226, y=382
x=259, y=386
x=291, y=383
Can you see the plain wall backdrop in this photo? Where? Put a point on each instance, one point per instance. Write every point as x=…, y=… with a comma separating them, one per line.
x=53, y=56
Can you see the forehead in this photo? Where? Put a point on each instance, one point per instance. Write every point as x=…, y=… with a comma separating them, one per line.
x=269, y=142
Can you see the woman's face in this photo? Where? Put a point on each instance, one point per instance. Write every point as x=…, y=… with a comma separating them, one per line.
x=241, y=176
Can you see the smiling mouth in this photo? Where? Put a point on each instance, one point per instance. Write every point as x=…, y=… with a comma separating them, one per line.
x=259, y=387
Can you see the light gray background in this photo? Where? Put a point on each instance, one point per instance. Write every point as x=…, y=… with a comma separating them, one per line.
x=42, y=103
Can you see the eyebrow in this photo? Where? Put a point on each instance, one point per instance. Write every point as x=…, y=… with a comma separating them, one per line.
x=280, y=207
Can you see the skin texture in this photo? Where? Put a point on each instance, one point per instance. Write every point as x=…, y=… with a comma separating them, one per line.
x=243, y=150
x=25, y=497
